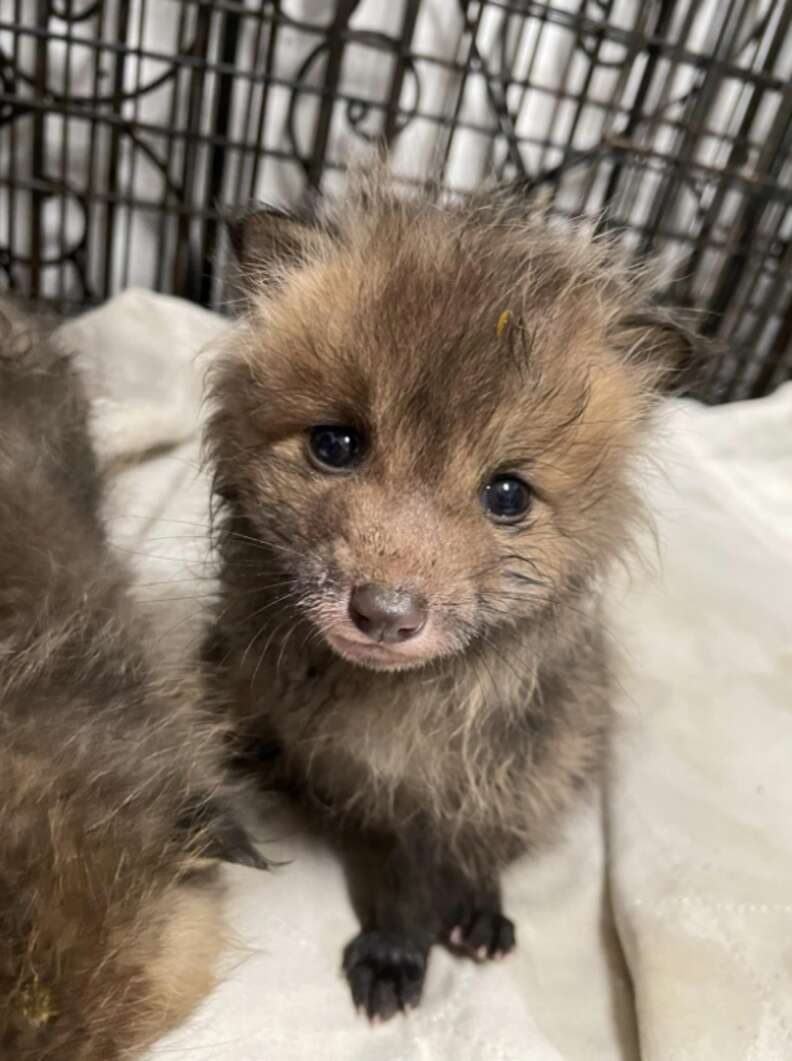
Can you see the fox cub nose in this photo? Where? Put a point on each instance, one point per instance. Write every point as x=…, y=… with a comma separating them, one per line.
x=385, y=614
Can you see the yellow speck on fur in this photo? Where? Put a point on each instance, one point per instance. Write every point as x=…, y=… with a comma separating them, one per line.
x=503, y=322
x=36, y=1003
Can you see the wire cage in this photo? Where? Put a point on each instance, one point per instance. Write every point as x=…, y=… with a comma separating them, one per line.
x=127, y=128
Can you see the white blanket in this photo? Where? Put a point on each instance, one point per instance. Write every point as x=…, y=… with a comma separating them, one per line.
x=661, y=926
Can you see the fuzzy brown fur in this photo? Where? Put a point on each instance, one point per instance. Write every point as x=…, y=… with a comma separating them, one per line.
x=112, y=801
x=463, y=341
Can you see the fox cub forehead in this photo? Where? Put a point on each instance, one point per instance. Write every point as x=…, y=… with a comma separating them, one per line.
x=488, y=288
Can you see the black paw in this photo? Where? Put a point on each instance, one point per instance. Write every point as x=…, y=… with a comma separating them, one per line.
x=483, y=934
x=385, y=972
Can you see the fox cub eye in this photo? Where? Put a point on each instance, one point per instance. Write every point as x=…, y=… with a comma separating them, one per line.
x=506, y=498
x=335, y=447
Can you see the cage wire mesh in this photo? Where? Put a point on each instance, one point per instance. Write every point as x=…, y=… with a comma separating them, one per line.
x=127, y=127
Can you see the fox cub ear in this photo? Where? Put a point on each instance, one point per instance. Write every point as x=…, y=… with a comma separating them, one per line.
x=666, y=342
x=266, y=240
x=263, y=236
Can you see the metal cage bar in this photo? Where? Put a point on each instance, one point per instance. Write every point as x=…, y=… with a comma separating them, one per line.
x=127, y=127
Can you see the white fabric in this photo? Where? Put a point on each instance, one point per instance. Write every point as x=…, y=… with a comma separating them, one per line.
x=686, y=868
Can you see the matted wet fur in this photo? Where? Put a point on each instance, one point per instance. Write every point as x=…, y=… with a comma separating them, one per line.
x=444, y=354
x=113, y=809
